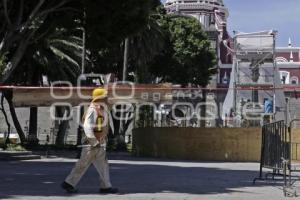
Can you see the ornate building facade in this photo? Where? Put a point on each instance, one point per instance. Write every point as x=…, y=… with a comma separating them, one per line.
x=213, y=14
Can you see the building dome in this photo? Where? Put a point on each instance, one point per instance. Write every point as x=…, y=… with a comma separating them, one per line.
x=170, y=1
x=216, y=2
x=212, y=14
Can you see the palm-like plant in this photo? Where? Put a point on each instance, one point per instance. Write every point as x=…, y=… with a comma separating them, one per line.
x=56, y=55
x=60, y=56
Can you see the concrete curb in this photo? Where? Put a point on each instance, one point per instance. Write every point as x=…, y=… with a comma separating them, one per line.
x=15, y=155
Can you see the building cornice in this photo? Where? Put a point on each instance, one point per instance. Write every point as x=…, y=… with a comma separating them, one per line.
x=287, y=65
x=196, y=6
x=287, y=49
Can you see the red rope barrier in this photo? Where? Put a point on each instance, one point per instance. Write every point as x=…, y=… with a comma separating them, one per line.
x=119, y=87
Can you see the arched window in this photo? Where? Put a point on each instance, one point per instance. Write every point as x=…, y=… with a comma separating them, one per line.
x=281, y=59
x=294, y=80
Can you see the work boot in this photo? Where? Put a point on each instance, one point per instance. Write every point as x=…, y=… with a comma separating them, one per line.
x=69, y=188
x=109, y=190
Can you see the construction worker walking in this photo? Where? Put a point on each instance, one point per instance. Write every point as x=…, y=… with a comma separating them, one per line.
x=95, y=125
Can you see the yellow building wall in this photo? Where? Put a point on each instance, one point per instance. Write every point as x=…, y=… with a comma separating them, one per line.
x=214, y=144
x=296, y=144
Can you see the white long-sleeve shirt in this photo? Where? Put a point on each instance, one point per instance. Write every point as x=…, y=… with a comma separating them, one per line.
x=89, y=125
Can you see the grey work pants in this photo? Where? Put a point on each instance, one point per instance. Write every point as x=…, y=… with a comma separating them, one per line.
x=95, y=156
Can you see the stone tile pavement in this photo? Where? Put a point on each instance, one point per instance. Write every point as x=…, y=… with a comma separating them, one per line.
x=138, y=179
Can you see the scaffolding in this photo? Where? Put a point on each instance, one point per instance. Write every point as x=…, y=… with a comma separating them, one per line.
x=254, y=80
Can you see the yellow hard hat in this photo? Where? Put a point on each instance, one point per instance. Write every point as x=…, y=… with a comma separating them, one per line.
x=99, y=93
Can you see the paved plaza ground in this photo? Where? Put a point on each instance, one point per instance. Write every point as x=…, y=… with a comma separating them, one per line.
x=137, y=179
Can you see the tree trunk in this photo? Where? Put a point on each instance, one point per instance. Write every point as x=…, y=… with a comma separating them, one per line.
x=33, y=135
x=33, y=117
x=8, y=96
x=14, y=61
x=7, y=141
x=119, y=131
x=219, y=121
x=62, y=128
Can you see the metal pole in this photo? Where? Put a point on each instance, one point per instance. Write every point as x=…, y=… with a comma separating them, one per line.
x=236, y=75
x=124, y=77
x=83, y=45
x=79, y=137
x=274, y=71
x=83, y=51
x=125, y=64
x=286, y=110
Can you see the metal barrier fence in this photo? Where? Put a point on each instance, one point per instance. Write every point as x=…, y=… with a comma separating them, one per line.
x=290, y=165
x=274, y=149
x=278, y=153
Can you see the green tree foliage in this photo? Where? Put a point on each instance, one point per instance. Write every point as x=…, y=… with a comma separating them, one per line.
x=42, y=37
x=188, y=57
x=58, y=56
x=119, y=20
x=147, y=44
x=144, y=45
x=34, y=36
x=109, y=22
x=24, y=23
x=174, y=48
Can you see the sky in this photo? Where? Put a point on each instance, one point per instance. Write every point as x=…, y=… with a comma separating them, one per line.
x=259, y=15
